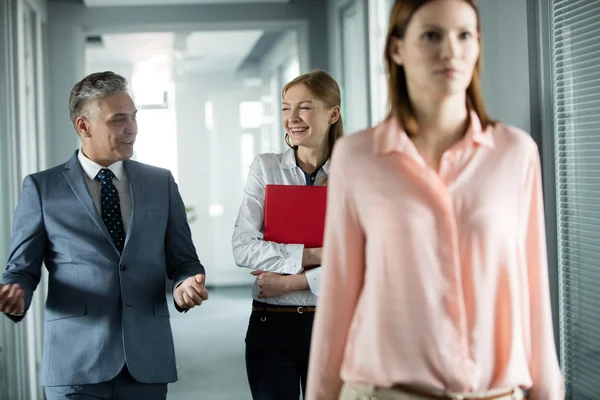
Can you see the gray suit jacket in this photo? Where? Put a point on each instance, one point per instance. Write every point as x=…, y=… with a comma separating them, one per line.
x=103, y=309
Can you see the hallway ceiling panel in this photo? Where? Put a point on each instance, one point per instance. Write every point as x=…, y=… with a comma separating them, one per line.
x=117, y=3
x=201, y=52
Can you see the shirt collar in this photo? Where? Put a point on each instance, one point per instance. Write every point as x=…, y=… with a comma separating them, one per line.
x=91, y=169
x=288, y=161
x=477, y=134
x=389, y=136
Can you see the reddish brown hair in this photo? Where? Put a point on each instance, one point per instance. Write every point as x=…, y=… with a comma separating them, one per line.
x=398, y=98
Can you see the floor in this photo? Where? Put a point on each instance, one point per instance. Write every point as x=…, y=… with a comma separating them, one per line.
x=209, y=345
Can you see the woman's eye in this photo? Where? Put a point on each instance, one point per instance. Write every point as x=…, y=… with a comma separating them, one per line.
x=431, y=36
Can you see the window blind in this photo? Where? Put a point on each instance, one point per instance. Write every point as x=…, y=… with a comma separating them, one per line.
x=575, y=28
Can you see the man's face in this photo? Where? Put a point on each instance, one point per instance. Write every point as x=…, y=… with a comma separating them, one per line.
x=108, y=129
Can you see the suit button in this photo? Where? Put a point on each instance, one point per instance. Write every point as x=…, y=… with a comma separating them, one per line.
x=122, y=267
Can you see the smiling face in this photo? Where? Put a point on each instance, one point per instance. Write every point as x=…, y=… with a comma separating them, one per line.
x=108, y=129
x=440, y=48
x=305, y=118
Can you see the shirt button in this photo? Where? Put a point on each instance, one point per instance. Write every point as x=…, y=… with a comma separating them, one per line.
x=122, y=267
x=312, y=178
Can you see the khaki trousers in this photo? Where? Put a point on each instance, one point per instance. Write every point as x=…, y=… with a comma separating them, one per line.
x=355, y=391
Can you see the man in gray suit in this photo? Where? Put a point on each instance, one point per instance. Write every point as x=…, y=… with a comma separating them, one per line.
x=109, y=230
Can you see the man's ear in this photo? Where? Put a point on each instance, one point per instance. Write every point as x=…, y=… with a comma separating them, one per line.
x=334, y=115
x=396, y=50
x=82, y=125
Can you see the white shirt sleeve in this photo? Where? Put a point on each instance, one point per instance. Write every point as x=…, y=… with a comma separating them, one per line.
x=250, y=250
x=313, y=276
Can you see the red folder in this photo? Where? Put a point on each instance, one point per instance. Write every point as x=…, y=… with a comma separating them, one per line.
x=295, y=214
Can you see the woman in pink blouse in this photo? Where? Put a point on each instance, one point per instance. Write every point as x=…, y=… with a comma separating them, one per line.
x=435, y=281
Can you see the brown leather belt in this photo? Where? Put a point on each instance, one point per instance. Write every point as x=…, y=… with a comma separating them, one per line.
x=299, y=310
x=442, y=396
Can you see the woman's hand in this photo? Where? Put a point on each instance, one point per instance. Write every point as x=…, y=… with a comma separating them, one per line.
x=272, y=284
x=312, y=257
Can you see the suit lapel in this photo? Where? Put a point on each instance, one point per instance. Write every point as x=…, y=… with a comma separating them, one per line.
x=136, y=189
x=75, y=177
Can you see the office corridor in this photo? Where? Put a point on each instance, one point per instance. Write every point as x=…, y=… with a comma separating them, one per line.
x=209, y=344
x=207, y=77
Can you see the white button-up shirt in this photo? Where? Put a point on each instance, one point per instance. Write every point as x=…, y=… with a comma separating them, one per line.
x=250, y=250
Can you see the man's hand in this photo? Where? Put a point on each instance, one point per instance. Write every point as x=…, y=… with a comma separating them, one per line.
x=272, y=284
x=12, y=300
x=191, y=292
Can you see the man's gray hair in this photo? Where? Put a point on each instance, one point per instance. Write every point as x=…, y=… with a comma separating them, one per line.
x=93, y=87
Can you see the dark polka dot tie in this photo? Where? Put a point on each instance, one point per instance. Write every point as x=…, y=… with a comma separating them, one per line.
x=111, y=208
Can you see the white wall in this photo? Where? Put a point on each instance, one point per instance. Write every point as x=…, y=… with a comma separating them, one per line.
x=284, y=50
x=272, y=68
x=335, y=37
x=349, y=60
x=125, y=70
x=210, y=169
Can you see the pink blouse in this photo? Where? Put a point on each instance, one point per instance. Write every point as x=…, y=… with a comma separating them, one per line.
x=435, y=279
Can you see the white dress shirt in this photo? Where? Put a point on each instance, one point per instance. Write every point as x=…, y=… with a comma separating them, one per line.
x=120, y=181
x=250, y=250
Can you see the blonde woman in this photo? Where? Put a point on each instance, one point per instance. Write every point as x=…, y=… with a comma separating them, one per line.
x=285, y=292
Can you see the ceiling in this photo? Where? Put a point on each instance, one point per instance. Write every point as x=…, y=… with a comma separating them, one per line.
x=111, y=3
x=203, y=52
x=216, y=51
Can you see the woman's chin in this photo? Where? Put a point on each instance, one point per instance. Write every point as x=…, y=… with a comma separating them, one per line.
x=298, y=142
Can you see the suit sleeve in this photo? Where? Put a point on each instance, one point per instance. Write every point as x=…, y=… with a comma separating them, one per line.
x=181, y=257
x=26, y=254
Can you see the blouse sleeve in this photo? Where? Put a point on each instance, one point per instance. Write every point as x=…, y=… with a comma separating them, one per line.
x=250, y=250
x=543, y=364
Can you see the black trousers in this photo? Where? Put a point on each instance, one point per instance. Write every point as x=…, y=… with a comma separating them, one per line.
x=123, y=387
x=277, y=349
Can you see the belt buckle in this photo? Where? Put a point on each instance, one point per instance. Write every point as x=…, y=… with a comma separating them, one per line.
x=300, y=310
